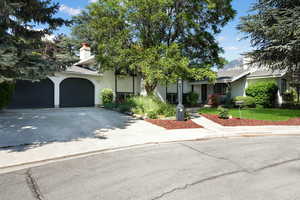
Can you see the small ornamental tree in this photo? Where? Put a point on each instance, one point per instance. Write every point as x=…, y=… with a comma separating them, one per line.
x=265, y=93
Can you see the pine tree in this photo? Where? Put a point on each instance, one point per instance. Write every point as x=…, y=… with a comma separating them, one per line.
x=274, y=30
x=24, y=54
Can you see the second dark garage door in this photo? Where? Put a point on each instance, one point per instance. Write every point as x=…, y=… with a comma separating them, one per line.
x=77, y=92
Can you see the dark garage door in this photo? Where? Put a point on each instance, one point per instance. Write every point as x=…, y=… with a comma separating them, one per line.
x=33, y=94
x=77, y=92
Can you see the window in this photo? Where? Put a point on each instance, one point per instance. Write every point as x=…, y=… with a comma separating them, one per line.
x=220, y=88
x=283, y=85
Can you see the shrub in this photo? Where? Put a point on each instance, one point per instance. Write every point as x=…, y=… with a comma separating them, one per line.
x=223, y=113
x=151, y=104
x=6, y=92
x=152, y=114
x=125, y=107
x=214, y=100
x=110, y=106
x=249, y=102
x=288, y=96
x=192, y=98
x=107, y=96
x=264, y=93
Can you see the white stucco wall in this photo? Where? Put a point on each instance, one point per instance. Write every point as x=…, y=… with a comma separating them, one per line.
x=238, y=88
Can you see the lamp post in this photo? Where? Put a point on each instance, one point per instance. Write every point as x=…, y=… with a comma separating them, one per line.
x=180, y=107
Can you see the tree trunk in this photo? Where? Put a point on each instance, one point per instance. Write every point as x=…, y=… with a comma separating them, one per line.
x=150, y=87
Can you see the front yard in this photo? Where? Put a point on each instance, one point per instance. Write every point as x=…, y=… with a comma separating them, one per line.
x=258, y=114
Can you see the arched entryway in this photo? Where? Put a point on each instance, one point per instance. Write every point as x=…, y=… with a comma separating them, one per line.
x=76, y=92
x=30, y=94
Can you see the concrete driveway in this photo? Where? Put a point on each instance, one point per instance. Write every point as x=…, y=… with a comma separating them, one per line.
x=260, y=168
x=28, y=126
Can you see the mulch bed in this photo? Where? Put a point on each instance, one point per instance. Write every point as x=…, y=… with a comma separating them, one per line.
x=173, y=124
x=251, y=122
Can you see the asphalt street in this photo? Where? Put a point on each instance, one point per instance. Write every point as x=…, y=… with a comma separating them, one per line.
x=219, y=169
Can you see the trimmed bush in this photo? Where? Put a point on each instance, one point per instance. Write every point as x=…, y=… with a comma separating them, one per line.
x=146, y=105
x=223, y=113
x=107, y=96
x=192, y=98
x=6, y=92
x=264, y=93
x=249, y=102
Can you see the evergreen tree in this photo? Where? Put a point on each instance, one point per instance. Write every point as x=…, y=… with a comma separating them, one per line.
x=23, y=52
x=274, y=30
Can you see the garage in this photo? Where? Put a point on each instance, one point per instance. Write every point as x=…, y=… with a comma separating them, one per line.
x=30, y=94
x=77, y=92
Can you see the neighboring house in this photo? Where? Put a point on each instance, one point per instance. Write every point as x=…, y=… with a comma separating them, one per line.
x=81, y=85
x=234, y=79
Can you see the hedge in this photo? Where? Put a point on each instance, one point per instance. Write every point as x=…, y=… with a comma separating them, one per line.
x=265, y=93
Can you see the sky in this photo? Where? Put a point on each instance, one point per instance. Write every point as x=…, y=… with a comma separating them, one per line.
x=229, y=38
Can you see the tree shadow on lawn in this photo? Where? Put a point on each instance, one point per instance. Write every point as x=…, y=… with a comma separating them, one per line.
x=21, y=130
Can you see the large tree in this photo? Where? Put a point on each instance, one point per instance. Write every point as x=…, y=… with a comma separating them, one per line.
x=162, y=40
x=23, y=52
x=274, y=30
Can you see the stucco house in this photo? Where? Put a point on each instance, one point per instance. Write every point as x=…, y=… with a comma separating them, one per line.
x=80, y=85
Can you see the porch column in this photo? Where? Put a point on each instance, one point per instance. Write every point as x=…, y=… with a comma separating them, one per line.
x=56, y=81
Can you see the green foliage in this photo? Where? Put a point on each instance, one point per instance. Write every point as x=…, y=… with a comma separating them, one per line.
x=249, y=102
x=152, y=114
x=274, y=29
x=110, y=106
x=24, y=53
x=107, y=96
x=6, y=92
x=223, y=113
x=146, y=105
x=125, y=107
x=288, y=96
x=192, y=98
x=264, y=93
x=161, y=40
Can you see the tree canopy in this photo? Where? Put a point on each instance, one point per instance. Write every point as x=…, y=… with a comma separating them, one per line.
x=24, y=54
x=274, y=30
x=162, y=40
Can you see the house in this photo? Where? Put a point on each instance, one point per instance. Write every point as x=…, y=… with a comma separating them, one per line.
x=80, y=85
x=236, y=76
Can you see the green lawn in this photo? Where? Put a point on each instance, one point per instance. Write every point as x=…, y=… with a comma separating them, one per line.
x=259, y=114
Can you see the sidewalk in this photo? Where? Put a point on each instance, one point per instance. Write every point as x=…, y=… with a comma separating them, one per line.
x=139, y=133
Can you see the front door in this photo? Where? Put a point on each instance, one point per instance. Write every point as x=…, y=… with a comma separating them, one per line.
x=204, y=93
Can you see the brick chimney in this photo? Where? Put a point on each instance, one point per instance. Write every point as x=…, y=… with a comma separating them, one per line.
x=85, y=51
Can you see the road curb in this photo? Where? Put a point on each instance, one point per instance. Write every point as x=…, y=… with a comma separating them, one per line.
x=11, y=168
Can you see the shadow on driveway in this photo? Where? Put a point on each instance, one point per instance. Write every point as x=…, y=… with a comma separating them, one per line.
x=21, y=128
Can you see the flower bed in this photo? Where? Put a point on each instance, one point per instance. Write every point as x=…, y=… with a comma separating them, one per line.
x=251, y=122
x=173, y=124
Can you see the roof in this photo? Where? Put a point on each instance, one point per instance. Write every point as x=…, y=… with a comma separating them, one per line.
x=237, y=69
x=90, y=60
x=267, y=73
x=81, y=70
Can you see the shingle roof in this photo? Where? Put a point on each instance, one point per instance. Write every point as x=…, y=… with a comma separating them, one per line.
x=81, y=70
x=267, y=72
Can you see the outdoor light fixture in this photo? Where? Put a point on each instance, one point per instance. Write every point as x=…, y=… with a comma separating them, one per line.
x=180, y=107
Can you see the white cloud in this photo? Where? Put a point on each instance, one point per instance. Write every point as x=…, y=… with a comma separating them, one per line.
x=232, y=48
x=93, y=1
x=70, y=11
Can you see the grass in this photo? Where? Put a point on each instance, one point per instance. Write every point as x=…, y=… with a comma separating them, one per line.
x=273, y=114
